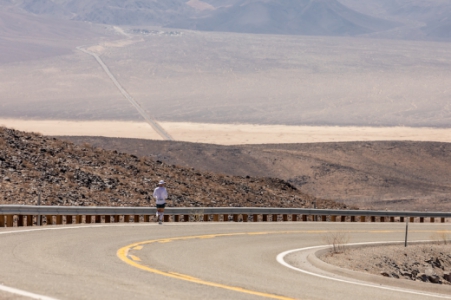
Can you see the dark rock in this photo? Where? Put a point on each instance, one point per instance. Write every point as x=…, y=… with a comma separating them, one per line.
x=385, y=274
x=434, y=279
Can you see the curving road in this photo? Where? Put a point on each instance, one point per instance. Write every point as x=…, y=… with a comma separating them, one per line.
x=188, y=261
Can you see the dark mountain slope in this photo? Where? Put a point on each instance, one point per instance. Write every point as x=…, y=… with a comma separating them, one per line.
x=394, y=175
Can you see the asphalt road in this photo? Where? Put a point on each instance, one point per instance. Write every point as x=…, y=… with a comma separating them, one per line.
x=186, y=261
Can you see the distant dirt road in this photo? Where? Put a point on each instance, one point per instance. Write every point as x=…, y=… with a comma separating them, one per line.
x=151, y=121
x=187, y=261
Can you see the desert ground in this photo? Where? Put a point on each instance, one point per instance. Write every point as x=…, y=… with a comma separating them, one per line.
x=228, y=78
x=230, y=134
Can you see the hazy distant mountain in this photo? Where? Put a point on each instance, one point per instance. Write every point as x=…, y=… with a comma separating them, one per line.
x=420, y=19
x=306, y=17
x=411, y=19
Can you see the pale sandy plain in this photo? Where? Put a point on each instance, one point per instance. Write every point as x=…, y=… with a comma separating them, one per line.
x=230, y=134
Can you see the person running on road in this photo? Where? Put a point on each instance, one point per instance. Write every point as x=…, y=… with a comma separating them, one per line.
x=160, y=194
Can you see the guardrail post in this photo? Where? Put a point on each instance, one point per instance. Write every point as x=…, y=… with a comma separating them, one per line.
x=68, y=220
x=392, y=219
x=285, y=218
x=126, y=219
x=373, y=219
x=442, y=220
x=29, y=221
x=294, y=218
x=245, y=217
x=421, y=219
x=206, y=218
x=352, y=218
x=343, y=219
x=2, y=221
x=185, y=218
x=78, y=219
x=20, y=220
x=235, y=218
x=382, y=219
x=48, y=219
x=401, y=219
x=108, y=219
x=136, y=218
x=333, y=218
x=147, y=218
x=265, y=218
x=216, y=218
x=9, y=221
x=323, y=218
x=432, y=220
x=225, y=218
x=166, y=218
x=274, y=218
x=362, y=219
x=59, y=220
x=412, y=219
x=98, y=219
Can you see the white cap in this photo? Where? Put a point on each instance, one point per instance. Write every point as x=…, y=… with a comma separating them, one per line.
x=161, y=182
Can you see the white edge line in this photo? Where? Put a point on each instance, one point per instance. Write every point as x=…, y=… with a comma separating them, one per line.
x=281, y=260
x=24, y=293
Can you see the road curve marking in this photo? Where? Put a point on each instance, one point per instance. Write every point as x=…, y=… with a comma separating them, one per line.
x=281, y=260
x=124, y=255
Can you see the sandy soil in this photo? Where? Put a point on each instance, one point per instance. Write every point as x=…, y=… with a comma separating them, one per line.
x=230, y=134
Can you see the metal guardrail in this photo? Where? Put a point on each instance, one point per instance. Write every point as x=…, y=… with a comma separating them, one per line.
x=94, y=210
x=27, y=215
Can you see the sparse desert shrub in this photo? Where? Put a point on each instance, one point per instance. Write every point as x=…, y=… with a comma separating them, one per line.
x=337, y=240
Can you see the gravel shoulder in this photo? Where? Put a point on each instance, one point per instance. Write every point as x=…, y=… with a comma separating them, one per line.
x=429, y=263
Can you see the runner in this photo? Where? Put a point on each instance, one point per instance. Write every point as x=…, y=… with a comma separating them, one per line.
x=160, y=194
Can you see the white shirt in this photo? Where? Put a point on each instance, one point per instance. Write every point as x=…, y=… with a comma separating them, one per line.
x=160, y=194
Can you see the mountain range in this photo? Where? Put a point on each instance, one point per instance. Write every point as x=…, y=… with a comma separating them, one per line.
x=388, y=19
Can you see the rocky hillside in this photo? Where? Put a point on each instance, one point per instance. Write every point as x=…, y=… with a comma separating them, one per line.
x=374, y=175
x=69, y=174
